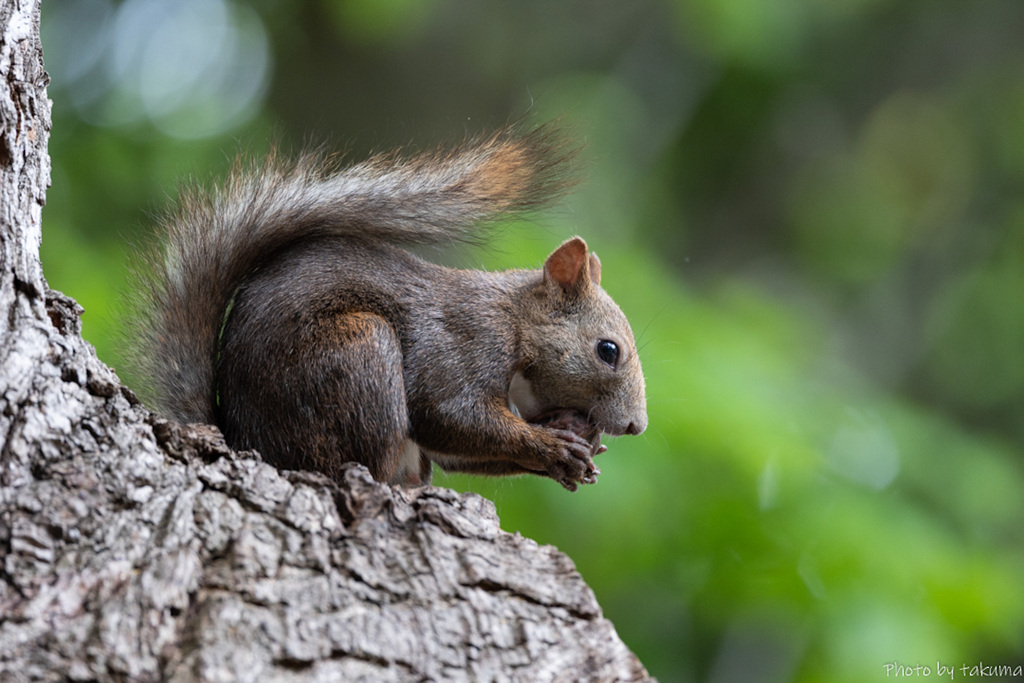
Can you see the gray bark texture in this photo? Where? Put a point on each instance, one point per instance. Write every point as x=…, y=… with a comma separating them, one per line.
x=132, y=548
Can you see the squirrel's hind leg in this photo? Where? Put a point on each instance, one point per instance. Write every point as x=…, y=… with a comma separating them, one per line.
x=358, y=373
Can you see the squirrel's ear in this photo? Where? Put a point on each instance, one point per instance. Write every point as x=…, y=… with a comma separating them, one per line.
x=595, y=269
x=569, y=266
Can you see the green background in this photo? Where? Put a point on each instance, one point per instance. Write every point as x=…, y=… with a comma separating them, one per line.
x=811, y=210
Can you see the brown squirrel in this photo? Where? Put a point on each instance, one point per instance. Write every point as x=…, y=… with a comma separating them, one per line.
x=280, y=308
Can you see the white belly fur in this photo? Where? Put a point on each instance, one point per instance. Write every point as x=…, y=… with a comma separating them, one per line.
x=408, y=469
x=521, y=399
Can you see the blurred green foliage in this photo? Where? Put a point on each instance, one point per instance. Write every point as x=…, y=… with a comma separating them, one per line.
x=812, y=213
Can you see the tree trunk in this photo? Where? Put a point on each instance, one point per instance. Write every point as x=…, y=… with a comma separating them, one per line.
x=139, y=549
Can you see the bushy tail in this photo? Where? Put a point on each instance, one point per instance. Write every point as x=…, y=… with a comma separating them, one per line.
x=214, y=240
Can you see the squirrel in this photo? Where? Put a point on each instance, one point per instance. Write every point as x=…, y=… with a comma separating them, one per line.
x=283, y=308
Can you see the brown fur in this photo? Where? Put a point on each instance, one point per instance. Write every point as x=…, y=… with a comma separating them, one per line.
x=281, y=310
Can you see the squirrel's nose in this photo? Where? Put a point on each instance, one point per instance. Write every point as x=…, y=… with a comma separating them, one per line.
x=638, y=424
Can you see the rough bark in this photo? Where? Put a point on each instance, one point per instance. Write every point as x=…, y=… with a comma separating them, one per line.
x=138, y=549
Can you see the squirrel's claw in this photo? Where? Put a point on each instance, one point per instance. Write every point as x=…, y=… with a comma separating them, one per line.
x=572, y=464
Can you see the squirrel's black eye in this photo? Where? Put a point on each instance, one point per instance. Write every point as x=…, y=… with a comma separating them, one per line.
x=608, y=351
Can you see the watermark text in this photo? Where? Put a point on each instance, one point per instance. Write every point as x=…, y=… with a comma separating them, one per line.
x=952, y=671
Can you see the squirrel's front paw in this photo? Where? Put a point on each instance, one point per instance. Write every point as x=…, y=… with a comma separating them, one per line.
x=571, y=462
x=578, y=441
